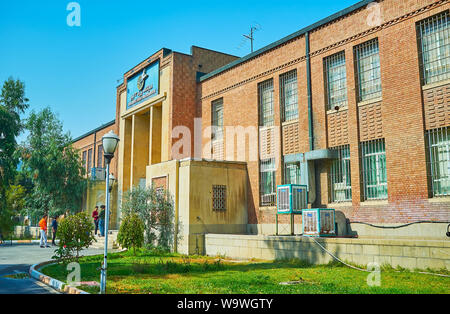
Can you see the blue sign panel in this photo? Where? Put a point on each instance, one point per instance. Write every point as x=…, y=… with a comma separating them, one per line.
x=143, y=85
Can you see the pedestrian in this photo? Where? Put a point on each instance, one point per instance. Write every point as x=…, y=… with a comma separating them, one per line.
x=54, y=229
x=95, y=216
x=43, y=226
x=101, y=220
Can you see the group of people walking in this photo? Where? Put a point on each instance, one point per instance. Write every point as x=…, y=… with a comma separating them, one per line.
x=99, y=222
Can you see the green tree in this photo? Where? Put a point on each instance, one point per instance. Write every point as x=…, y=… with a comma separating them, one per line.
x=13, y=103
x=156, y=209
x=131, y=232
x=53, y=165
x=74, y=234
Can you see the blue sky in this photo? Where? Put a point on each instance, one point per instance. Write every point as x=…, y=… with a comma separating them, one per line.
x=74, y=70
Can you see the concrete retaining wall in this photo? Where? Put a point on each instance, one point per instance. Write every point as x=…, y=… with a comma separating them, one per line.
x=411, y=254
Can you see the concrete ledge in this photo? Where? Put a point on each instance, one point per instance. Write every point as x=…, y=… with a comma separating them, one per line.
x=411, y=253
x=49, y=281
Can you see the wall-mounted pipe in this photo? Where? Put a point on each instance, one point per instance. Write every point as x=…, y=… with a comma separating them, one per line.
x=308, y=82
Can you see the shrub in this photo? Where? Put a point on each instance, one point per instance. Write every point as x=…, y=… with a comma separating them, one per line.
x=74, y=234
x=131, y=232
x=156, y=209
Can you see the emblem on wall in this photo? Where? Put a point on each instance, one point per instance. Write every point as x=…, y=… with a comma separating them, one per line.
x=141, y=80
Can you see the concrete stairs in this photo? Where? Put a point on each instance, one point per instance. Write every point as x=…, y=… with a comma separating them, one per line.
x=112, y=241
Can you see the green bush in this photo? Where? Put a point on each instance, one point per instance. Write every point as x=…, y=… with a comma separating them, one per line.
x=131, y=232
x=74, y=234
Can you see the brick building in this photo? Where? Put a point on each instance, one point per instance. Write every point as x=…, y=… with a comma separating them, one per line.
x=356, y=106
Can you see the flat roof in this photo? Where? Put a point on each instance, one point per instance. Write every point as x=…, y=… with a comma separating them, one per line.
x=94, y=131
x=299, y=33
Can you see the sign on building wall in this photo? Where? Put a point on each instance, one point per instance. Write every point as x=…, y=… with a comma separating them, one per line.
x=143, y=85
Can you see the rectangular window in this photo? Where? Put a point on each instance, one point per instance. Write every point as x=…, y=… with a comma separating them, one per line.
x=267, y=182
x=100, y=157
x=265, y=96
x=89, y=161
x=219, y=198
x=368, y=68
x=217, y=120
x=340, y=176
x=439, y=160
x=292, y=172
x=289, y=96
x=373, y=155
x=435, y=48
x=84, y=159
x=336, y=81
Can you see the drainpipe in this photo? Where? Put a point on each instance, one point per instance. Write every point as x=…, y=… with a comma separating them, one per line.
x=308, y=82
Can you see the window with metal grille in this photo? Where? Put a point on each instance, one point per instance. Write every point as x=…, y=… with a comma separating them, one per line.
x=340, y=176
x=84, y=159
x=265, y=95
x=373, y=154
x=217, y=120
x=291, y=172
x=100, y=157
x=435, y=48
x=438, y=141
x=336, y=80
x=368, y=68
x=289, y=96
x=219, y=198
x=89, y=161
x=267, y=182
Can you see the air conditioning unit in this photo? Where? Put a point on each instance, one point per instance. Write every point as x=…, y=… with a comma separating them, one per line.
x=319, y=222
x=292, y=198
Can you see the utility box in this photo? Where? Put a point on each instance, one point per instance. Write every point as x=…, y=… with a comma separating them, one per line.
x=319, y=222
x=292, y=199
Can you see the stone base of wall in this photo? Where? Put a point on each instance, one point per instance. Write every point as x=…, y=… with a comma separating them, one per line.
x=411, y=254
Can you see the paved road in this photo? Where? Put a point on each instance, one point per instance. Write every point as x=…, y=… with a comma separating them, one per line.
x=18, y=259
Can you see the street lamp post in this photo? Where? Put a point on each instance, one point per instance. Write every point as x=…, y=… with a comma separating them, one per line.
x=110, y=142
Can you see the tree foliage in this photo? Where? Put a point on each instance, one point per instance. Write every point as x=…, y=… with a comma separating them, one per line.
x=131, y=232
x=156, y=209
x=53, y=165
x=74, y=234
x=13, y=103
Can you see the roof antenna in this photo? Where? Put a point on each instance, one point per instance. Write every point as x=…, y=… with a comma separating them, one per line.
x=253, y=29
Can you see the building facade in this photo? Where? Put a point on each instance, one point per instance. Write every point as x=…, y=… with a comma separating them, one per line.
x=355, y=106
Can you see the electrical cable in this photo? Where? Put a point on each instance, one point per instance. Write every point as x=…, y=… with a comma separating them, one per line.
x=401, y=226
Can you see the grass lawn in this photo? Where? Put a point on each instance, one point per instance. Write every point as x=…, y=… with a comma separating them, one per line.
x=160, y=273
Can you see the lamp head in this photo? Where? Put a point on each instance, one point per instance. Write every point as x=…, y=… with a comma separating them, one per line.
x=110, y=142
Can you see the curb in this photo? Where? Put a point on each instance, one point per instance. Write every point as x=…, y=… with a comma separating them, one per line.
x=15, y=242
x=49, y=281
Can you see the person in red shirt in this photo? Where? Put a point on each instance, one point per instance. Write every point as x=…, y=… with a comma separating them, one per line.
x=43, y=226
x=95, y=216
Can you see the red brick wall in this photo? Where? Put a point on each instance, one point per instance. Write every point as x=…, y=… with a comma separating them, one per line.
x=400, y=117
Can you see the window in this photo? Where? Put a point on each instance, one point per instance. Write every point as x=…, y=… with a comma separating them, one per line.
x=289, y=96
x=219, y=198
x=336, y=81
x=217, y=120
x=291, y=172
x=265, y=95
x=340, y=176
x=100, y=157
x=368, y=68
x=84, y=160
x=374, y=170
x=435, y=48
x=89, y=161
x=267, y=182
x=439, y=160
